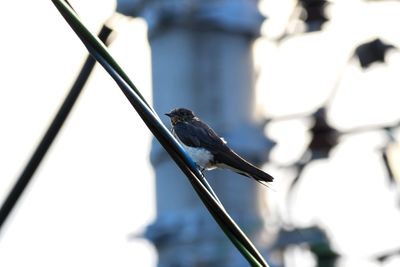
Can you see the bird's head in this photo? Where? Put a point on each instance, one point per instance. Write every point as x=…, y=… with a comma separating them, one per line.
x=180, y=115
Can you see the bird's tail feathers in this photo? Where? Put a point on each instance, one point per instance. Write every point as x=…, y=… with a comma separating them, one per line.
x=241, y=166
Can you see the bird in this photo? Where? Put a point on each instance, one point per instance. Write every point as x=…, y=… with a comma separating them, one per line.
x=207, y=149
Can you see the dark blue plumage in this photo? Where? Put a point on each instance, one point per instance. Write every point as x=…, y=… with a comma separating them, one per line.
x=198, y=134
x=207, y=149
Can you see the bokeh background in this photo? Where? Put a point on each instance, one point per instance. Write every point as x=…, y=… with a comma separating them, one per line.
x=94, y=193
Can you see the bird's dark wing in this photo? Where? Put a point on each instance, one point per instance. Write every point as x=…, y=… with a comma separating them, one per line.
x=198, y=134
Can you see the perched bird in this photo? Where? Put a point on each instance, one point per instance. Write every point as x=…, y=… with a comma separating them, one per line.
x=207, y=149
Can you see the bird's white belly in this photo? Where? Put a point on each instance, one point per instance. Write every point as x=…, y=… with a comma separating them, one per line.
x=201, y=156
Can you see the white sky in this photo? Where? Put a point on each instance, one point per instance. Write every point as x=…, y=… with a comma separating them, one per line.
x=95, y=187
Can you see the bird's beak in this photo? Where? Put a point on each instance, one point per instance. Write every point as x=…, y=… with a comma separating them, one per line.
x=168, y=114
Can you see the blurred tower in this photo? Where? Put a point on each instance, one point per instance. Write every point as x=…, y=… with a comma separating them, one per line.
x=202, y=60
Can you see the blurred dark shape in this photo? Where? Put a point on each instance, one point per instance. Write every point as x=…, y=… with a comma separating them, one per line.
x=390, y=154
x=385, y=158
x=314, y=237
x=387, y=152
x=370, y=52
x=324, y=254
x=385, y=256
x=299, y=167
x=324, y=137
x=314, y=16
